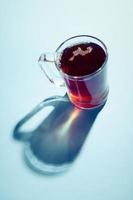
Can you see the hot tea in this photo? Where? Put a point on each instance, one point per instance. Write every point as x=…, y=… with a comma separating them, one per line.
x=78, y=61
x=82, y=59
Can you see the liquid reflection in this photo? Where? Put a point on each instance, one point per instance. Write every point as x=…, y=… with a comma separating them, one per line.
x=53, y=146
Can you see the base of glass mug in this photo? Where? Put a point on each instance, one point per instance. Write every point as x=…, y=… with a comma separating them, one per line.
x=90, y=105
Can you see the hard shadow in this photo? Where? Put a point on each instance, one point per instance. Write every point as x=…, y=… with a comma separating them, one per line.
x=54, y=145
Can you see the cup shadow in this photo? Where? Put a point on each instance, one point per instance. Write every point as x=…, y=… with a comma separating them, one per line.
x=57, y=141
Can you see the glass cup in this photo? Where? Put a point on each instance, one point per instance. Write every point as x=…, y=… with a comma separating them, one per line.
x=86, y=91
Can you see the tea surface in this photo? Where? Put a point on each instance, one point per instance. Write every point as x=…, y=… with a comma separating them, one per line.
x=82, y=59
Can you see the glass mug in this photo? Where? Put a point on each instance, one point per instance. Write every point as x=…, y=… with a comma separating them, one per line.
x=84, y=91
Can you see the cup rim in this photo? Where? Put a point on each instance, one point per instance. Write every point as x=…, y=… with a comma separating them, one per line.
x=87, y=75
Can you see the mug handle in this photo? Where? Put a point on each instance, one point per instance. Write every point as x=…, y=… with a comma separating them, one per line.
x=47, y=64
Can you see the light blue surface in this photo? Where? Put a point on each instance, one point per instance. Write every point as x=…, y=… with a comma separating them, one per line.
x=104, y=168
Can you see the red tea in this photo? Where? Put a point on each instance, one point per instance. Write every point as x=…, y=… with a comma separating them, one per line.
x=77, y=62
x=82, y=59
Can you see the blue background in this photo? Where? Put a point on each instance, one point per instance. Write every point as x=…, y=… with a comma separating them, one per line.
x=104, y=167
